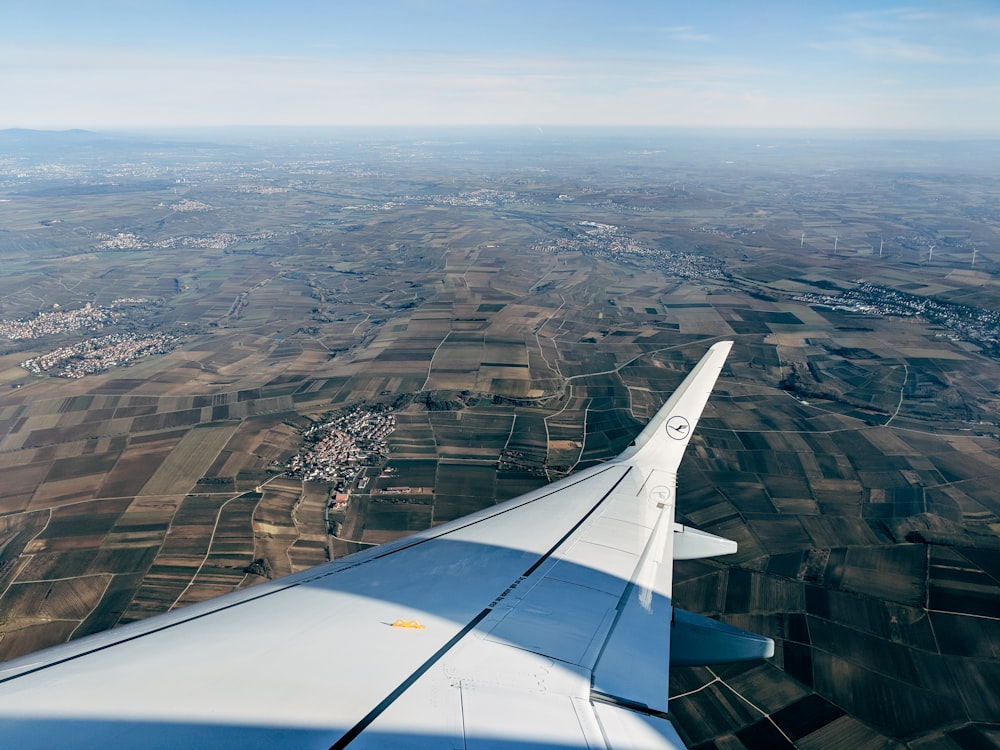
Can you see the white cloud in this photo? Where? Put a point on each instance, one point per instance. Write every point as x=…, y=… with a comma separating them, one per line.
x=881, y=20
x=683, y=34
x=126, y=88
x=892, y=49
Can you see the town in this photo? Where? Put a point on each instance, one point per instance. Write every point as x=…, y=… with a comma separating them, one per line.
x=967, y=323
x=614, y=243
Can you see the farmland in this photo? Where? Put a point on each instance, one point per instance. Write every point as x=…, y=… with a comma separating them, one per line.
x=520, y=316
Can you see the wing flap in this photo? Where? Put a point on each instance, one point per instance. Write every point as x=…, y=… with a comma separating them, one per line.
x=543, y=720
x=628, y=729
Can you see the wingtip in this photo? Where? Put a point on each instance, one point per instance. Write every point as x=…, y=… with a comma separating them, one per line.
x=666, y=435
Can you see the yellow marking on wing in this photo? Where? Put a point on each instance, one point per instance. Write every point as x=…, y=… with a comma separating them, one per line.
x=412, y=624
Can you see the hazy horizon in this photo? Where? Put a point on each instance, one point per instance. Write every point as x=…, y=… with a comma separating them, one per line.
x=561, y=147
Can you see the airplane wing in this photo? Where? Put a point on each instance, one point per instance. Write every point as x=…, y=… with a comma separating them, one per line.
x=545, y=621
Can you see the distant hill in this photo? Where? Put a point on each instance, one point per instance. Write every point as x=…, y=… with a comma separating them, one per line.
x=45, y=144
x=82, y=143
x=28, y=136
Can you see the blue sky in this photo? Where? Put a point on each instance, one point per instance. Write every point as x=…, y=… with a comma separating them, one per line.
x=126, y=64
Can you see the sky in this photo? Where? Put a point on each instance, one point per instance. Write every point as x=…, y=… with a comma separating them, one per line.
x=151, y=64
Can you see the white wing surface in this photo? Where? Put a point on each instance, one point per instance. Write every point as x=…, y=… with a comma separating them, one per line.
x=541, y=622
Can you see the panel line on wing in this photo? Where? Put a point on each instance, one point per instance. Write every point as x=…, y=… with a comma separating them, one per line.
x=405, y=685
x=306, y=578
x=577, y=525
x=351, y=734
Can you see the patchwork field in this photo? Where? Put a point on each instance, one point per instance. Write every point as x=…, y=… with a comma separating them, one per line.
x=515, y=335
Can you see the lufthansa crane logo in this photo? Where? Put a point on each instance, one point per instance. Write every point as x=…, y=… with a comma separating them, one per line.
x=678, y=427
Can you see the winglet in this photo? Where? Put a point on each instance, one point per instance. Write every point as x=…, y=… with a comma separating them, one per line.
x=661, y=444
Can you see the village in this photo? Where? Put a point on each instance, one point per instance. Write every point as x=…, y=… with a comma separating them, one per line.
x=343, y=444
x=99, y=354
x=89, y=317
